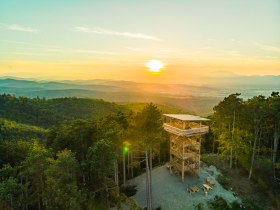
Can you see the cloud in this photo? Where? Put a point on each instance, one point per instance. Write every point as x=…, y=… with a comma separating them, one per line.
x=235, y=53
x=267, y=47
x=24, y=53
x=58, y=49
x=96, y=52
x=116, y=33
x=204, y=48
x=15, y=27
x=67, y=50
x=29, y=44
x=135, y=49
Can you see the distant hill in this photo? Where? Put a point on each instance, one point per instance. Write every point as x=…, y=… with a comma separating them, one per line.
x=48, y=112
x=188, y=98
x=45, y=113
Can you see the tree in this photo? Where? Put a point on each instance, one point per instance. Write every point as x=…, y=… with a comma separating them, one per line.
x=149, y=130
x=114, y=128
x=10, y=189
x=77, y=136
x=32, y=168
x=9, y=193
x=61, y=191
x=257, y=109
x=100, y=159
x=227, y=115
x=274, y=116
x=13, y=152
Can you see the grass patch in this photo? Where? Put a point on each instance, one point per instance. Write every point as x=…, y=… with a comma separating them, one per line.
x=128, y=190
x=218, y=203
x=157, y=208
x=224, y=182
x=199, y=206
x=250, y=204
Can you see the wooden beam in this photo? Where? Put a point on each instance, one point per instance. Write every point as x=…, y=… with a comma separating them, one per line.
x=170, y=156
x=183, y=161
x=199, y=156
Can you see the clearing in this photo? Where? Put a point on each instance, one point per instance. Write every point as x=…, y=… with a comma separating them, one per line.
x=171, y=194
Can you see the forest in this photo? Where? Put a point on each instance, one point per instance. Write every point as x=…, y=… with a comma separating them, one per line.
x=72, y=153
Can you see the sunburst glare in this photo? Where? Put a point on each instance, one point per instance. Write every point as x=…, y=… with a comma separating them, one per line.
x=155, y=65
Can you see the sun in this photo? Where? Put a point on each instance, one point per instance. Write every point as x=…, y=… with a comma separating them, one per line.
x=155, y=65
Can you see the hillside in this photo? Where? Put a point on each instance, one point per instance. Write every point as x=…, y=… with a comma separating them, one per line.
x=47, y=112
x=10, y=130
x=192, y=99
x=198, y=99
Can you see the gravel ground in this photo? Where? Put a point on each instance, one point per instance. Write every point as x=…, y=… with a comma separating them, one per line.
x=171, y=194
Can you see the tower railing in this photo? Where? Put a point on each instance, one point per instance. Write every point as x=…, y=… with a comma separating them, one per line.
x=186, y=132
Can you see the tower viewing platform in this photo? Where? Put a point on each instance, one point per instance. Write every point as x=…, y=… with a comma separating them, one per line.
x=185, y=142
x=185, y=125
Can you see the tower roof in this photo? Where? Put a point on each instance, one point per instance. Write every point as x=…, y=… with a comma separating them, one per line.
x=186, y=117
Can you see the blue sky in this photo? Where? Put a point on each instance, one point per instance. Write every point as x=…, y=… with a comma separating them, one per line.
x=114, y=39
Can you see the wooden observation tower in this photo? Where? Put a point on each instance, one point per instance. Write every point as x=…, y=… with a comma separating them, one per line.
x=185, y=139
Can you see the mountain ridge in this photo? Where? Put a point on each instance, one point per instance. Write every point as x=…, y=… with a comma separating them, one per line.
x=190, y=98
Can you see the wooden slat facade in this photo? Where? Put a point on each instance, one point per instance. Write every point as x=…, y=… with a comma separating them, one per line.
x=185, y=145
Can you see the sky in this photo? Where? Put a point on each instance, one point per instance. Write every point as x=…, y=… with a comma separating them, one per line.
x=114, y=39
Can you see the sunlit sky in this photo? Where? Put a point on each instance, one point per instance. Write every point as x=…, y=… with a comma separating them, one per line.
x=114, y=39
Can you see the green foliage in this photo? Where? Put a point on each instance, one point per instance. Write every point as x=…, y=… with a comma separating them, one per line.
x=10, y=189
x=77, y=136
x=138, y=107
x=199, y=206
x=33, y=168
x=7, y=171
x=128, y=190
x=235, y=205
x=72, y=168
x=46, y=113
x=228, y=124
x=223, y=181
x=149, y=126
x=218, y=203
x=114, y=128
x=70, y=165
x=100, y=159
x=10, y=130
x=9, y=192
x=13, y=152
x=236, y=123
x=157, y=208
x=251, y=204
x=61, y=183
x=250, y=131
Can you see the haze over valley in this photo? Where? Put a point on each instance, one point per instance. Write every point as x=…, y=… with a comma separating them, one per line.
x=198, y=99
